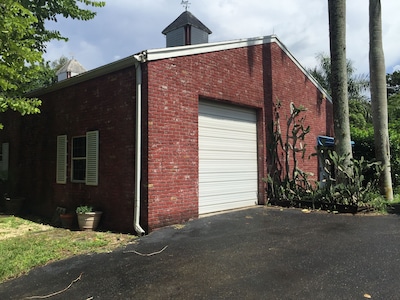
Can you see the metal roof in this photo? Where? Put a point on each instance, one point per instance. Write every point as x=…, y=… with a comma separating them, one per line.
x=186, y=18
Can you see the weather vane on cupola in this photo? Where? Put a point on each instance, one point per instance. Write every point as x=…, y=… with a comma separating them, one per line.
x=185, y=4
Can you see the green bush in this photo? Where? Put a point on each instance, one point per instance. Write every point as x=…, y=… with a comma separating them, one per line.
x=364, y=147
x=353, y=188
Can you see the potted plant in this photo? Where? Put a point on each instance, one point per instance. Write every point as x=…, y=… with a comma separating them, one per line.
x=87, y=218
x=67, y=220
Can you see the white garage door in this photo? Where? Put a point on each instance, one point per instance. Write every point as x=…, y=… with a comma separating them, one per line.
x=227, y=157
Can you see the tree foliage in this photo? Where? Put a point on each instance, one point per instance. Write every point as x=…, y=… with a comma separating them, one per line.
x=360, y=113
x=359, y=105
x=394, y=109
x=393, y=83
x=23, y=38
x=18, y=60
x=50, y=10
x=46, y=75
x=356, y=83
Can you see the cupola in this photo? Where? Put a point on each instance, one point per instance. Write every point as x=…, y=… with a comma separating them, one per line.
x=70, y=69
x=186, y=30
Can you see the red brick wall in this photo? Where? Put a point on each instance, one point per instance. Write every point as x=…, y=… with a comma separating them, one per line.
x=253, y=77
x=237, y=76
x=106, y=104
x=175, y=87
x=290, y=84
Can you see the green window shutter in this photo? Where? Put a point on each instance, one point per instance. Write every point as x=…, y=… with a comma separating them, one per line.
x=92, y=157
x=4, y=161
x=61, y=167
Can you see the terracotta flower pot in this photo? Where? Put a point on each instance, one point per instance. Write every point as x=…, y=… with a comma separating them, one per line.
x=67, y=220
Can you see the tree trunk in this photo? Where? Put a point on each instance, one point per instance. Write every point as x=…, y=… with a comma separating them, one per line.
x=337, y=35
x=379, y=96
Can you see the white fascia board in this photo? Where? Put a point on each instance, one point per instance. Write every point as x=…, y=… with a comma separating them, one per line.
x=171, y=52
x=82, y=77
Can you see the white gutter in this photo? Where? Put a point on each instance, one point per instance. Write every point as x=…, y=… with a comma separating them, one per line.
x=139, y=59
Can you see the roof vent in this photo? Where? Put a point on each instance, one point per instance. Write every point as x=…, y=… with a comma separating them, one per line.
x=70, y=69
x=186, y=30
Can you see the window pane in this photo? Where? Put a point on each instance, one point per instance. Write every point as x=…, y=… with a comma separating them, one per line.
x=79, y=169
x=79, y=147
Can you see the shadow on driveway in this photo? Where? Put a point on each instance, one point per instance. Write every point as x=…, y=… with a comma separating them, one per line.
x=256, y=253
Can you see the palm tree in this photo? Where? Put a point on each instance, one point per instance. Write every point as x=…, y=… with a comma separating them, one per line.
x=379, y=96
x=356, y=83
x=337, y=36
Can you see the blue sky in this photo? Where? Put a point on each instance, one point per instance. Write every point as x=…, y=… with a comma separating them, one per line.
x=125, y=27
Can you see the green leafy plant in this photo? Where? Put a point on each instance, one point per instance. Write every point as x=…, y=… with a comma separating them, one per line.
x=84, y=209
x=287, y=182
x=353, y=188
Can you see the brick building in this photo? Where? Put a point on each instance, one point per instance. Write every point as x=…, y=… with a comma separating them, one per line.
x=161, y=136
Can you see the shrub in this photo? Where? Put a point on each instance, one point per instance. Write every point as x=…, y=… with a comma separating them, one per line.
x=354, y=188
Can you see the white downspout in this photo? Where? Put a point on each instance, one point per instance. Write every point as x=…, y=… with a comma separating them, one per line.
x=138, y=145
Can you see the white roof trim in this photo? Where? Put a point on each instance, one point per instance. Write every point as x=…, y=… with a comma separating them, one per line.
x=308, y=75
x=171, y=52
x=100, y=71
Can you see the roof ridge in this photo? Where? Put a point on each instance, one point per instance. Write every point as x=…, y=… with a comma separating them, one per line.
x=186, y=18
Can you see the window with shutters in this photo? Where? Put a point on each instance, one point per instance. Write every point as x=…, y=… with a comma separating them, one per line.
x=84, y=158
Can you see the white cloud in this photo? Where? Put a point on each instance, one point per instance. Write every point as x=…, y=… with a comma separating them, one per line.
x=126, y=27
x=396, y=68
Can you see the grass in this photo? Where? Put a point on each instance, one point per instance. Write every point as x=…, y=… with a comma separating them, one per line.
x=25, y=245
x=380, y=204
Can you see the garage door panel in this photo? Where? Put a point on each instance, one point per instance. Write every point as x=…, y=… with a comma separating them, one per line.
x=220, y=111
x=227, y=157
x=214, y=188
x=230, y=166
x=223, y=137
x=220, y=202
x=228, y=145
x=212, y=157
x=226, y=128
x=220, y=177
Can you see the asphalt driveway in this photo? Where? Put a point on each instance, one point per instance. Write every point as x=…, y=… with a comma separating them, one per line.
x=257, y=253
